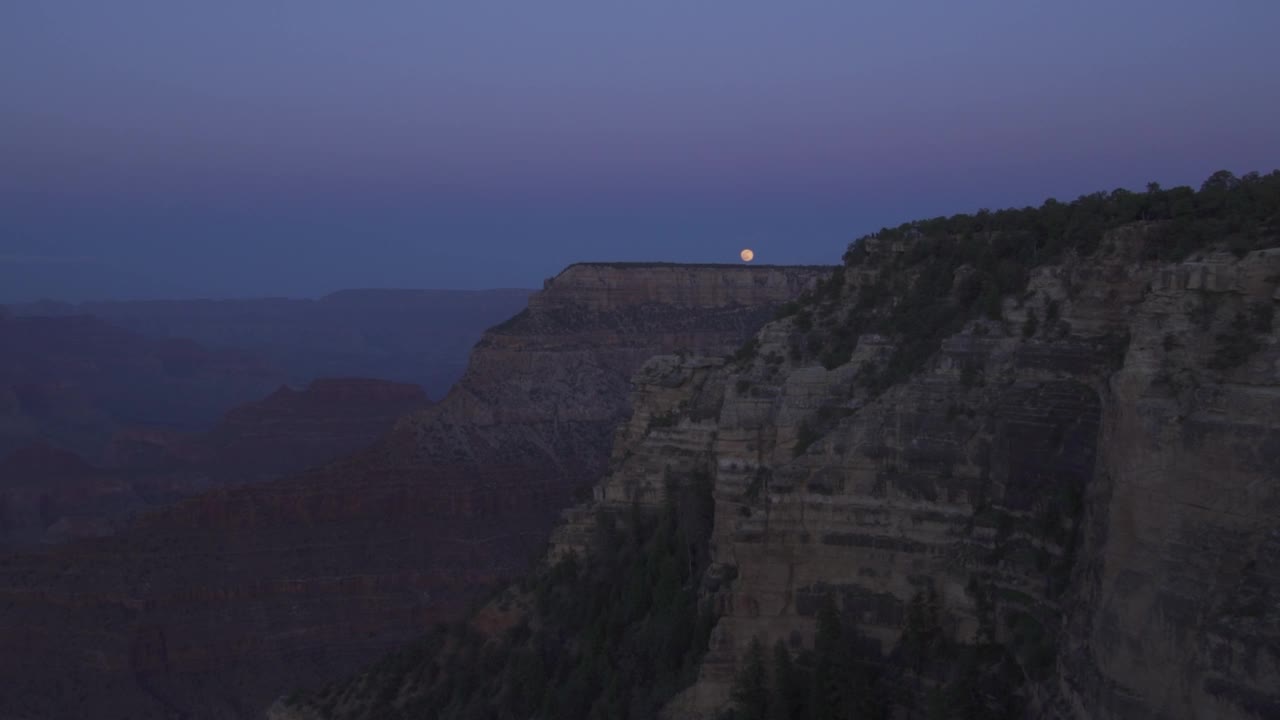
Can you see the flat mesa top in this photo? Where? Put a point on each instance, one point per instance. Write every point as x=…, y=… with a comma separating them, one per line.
x=734, y=266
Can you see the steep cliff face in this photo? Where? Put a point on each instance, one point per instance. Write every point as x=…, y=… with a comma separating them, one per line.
x=1176, y=613
x=215, y=607
x=553, y=382
x=1094, y=492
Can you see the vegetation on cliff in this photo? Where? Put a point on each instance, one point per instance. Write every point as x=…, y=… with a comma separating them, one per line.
x=832, y=681
x=844, y=676
x=952, y=269
x=919, y=284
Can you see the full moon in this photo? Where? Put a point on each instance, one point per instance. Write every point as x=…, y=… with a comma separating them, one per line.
x=747, y=255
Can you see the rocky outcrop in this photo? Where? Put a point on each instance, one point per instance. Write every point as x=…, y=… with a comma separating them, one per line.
x=215, y=607
x=414, y=336
x=1089, y=484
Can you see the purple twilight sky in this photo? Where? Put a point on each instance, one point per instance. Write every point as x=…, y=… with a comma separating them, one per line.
x=293, y=147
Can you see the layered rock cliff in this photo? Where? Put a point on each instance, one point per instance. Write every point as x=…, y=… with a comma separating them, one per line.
x=1016, y=464
x=216, y=606
x=1091, y=484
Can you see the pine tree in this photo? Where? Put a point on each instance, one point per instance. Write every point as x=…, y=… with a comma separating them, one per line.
x=828, y=698
x=787, y=701
x=751, y=690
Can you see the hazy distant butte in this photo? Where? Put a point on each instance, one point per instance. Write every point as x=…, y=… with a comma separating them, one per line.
x=417, y=336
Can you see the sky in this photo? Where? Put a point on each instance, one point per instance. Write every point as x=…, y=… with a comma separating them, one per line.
x=293, y=147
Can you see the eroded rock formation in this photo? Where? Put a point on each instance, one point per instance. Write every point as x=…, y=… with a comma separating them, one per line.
x=1002, y=465
x=1095, y=490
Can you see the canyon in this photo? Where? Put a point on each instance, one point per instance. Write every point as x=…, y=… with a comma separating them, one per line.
x=112, y=409
x=1030, y=468
x=213, y=607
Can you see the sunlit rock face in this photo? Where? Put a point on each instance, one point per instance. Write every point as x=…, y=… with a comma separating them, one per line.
x=215, y=607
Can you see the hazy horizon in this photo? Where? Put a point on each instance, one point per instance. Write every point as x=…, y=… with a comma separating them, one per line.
x=241, y=150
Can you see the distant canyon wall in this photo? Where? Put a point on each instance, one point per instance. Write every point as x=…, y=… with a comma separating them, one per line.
x=49, y=494
x=212, y=608
x=417, y=336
